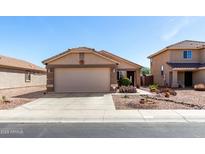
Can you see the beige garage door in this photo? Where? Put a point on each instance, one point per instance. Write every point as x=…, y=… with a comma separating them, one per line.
x=82, y=79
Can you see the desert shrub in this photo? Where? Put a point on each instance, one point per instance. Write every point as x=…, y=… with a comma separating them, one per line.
x=125, y=82
x=153, y=87
x=127, y=89
x=4, y=99
x=167, y=94
x=199, y=87
x=125, y=96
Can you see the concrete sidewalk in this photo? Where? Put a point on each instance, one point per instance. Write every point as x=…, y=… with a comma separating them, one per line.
x=76, y=116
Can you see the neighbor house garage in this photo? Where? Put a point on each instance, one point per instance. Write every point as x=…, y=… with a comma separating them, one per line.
x=86, y=70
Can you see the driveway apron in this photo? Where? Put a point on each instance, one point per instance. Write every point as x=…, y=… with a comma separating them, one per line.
x=63, y=107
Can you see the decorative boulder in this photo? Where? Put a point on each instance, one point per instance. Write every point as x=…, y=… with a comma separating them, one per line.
x=200, y=87
x=142, y=101
x=168, y=90
x=167, y=94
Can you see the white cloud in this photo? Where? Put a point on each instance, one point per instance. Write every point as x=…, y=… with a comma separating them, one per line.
x=177, y=26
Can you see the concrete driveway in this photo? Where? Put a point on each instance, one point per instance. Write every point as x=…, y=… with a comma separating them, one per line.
x=62, y=107
x=68, y=102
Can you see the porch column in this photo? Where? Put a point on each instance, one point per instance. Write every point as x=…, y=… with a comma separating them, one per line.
x=113, y=78
x=50, y=79
x=137, y=82
x=175, y=79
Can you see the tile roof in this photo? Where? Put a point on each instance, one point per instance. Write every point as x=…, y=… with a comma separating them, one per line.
x=111, y=55
x=77, y=50
x=65, y=52
x=186, y=65
x=103, y=53
x=8, y=62
x=202, y=65
x=186, y=44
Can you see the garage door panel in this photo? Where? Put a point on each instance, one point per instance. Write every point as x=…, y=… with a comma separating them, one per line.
x=82, y=79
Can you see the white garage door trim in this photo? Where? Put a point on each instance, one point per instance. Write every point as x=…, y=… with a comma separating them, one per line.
x=82, y=80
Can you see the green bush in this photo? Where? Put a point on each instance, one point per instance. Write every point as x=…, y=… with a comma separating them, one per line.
x=145, y=71
x=153, y=87
x=4, y=98
x=125, y=82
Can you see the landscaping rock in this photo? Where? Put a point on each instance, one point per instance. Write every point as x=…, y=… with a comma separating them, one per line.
x=127, y=89
x=199, y=87
x=169, y=90
x=167, y=94
x=142, y=101
x=133, y=102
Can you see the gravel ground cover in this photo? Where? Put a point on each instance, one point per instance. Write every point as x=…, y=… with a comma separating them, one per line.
x=190, y=96
x=20, y=96
x=133, y=102
x=195, y=99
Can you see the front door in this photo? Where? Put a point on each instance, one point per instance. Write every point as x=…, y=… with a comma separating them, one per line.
x=130, y=75
x=188, y=79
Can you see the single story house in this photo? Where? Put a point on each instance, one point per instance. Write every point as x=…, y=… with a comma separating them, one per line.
x=87, y=70
x=15, y=73
x=179, y=65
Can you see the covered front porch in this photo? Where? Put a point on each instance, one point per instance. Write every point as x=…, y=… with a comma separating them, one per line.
x=182, y=78
x=133, y=75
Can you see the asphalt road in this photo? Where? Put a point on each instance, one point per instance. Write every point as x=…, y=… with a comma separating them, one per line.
x=103, y=130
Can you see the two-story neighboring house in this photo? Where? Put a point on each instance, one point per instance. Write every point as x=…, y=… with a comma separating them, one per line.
x=179, y=65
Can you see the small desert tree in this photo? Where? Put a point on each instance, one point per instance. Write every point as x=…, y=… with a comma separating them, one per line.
x=145, y=71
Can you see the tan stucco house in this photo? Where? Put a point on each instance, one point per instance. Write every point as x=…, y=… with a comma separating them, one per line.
x=16, y=73
x=179, y=65
x=87, y=70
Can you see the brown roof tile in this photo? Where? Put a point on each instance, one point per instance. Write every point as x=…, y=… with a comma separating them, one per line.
x=186, y=44
x=77, y=50
x=112, y=56
x=9, y=62
x=103, y=53
x=186, y=65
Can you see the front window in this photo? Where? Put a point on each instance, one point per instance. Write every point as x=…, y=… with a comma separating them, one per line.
x=162, y=70
x=187, y=54
x=121, y=74
x=28, y=76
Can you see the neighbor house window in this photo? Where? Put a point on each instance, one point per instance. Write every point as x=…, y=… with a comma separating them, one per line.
x=162, y=70
x=28, y=76
x=81, y=58
x=187, y=54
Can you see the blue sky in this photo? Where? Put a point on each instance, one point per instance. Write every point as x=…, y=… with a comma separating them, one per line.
x=134, y=38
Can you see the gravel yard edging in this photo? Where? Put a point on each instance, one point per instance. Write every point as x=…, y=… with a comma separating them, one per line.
x=173, y=101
